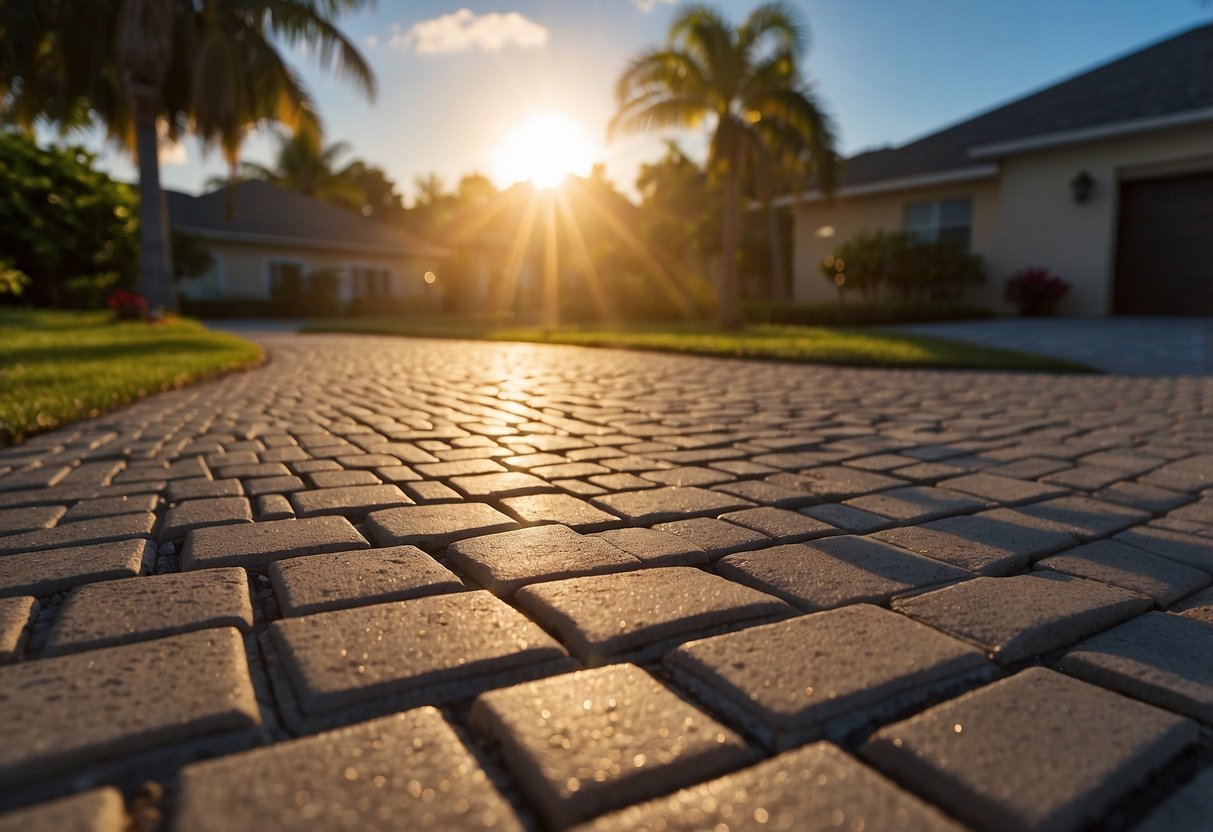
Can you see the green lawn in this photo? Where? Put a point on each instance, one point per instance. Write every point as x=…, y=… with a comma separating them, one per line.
x=57, y=367
x=817, y=345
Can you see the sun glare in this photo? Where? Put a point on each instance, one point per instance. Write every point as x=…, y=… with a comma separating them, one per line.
x=544, y=150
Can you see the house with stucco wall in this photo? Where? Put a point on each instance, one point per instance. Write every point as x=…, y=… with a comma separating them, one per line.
x=267, y=241
x=1105, y=178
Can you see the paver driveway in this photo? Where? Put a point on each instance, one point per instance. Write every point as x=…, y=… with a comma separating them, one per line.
x=400, y=584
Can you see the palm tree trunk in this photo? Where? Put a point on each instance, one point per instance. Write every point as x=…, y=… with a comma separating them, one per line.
x=779, y=277
x=155, y=254
x=728, y=312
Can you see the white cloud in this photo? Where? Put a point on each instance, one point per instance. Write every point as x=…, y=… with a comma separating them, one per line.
x=371, y=41
x=647, y=6
x=464, y=31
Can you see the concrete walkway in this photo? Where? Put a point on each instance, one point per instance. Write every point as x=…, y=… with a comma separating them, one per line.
x=405, y=584
x=1125, y=346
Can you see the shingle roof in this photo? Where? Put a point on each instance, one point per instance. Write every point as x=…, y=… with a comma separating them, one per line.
x=1171, y=77
x=264, y=212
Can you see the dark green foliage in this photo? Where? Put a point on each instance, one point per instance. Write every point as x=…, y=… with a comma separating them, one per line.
x=191, y=257
x=861, y=314
x=65, y=224
x=876, y=263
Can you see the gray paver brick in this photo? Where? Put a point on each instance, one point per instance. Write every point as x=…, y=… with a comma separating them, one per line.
x=254, y=545
x=1016, y=618
x=563, y=509
x=505, y=561
x=1085, y=477
x=847, y=518
x=496, y=486
x=982, y=756
x=1085, y=518
x=57, y=570
x=41, y=477
x=199, y=487
x=767, y=493
x=274, y=507
x=273, y=485
x=785, y=681
x=342, y=479
x=1192, y=474
x=1142, y=496
x=17, y=520
x=1198, y=606
x=1003, y=490
x=1163, y=659
x=835, y=571
x=1184, y=548
x=405, y=771
x=671, y=503
x=318, y=583
x=980, y=543
x=1188, y=810
x=431, y=492
x=594, y=740
x=655, y=548
x=123, y=700
x=917, y=503
x=1166, y=581
x=716, y=537
x=818, y=788
x=120, y=612
x=15, y=617
x=85, y=532
x=780, y=524
x=353, y=502
x=196, y=514
x=621, y=482
x=459, y=468
x=835, y=483
x=252, y=470
x=435, y=525
x=689, y=475
x=436, y=647
x=97, y=810
x=607, y=616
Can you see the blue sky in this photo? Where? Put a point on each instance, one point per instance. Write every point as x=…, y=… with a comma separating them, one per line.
x=453, y=82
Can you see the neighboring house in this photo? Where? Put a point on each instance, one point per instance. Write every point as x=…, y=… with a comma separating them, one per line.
x=272, y=242
x=1105, y=178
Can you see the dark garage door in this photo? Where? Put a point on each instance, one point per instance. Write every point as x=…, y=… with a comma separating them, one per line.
x=1164, y=247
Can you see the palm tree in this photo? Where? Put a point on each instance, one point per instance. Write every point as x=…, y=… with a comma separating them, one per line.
x=305, y=164
x=150, y=69
x=745, y=84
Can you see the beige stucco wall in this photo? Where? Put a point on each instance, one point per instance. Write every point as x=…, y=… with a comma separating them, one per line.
x=243, y=270
x=1025, y=217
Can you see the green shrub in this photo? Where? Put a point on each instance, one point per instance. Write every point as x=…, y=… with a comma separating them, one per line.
x=861, y=314
x=876, y=263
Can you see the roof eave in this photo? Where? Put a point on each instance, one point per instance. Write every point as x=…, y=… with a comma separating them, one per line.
x=997, y=150
x=953, y=176
x=314, y=244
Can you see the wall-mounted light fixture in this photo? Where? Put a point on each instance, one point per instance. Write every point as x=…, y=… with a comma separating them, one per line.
x=1081, y=186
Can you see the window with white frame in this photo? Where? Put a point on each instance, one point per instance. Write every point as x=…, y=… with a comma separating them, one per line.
x=945, y=220
x=287, y=278
x=371, y=281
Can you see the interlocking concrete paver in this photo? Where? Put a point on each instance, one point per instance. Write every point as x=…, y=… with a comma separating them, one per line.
x=917, y=503
x=835, y=483
x=779, y=524
x=670, y=503
x=274, y=507
x=435, y=525
x=1085, y=518
x=405, y=771
x=847, y=518
x=601, y=618
x=767, y=494
x=342, y=478
x=505, y=561
x=433, y=648
x=82, y=533
x=198, y=487
x=595, y=740
x=15, y=617
x=63, y=713
x=784, y=682
x=120, y=612
x=1198, y=606
x=98, y=810
x=1142, y=496
x=835, y=571
x=1188, y=810
x=1036, y=751
x=254, y=545
x=818, y=788
x=17, y=520
x=317, y=583
x=563, y=509
x=1004, y=490
x=980, y=543
x=1026, y=615
x=1163, y=580
x=353, y=502
x=57, y=570
x=1159, y=658
x=496, y=486
x=654, y=547
x=272, y=485
x=1185, y=548
x=196, y=514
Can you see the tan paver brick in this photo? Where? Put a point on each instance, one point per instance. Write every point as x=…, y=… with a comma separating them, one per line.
x=497, y=486
x=405, y=771
x=435, y=526
x=254, y=545
x=1003, y=490
x=716, y=537
x=979, y=542
x=57, y=570
x=671, y=503
x=1163, y=659
x=1037, y=751
x=17, y=520
x=655, y=548
x=835, y=571
x=563, y=509
x=818, y=788
x=83, y=533
x=437, y=647
x=1184, y=548
x=317, y=583
x=1085, y=518
x=785, y=681
x=505, y=561
x=607, y=616
x=197, y=514
x=15, y=617
x=917, y=504
x=594, y=740
x=834, y=483
x=97, y=810
x=1165, y=581
x=140, y=609
x=123, y=700
x=1023, y=616
x=1198, y=606
x=353, y=502
x=779, y=524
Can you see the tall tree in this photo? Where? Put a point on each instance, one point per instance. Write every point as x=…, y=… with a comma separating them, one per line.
x=744, y=84
x=150, y=69
x=306, y=164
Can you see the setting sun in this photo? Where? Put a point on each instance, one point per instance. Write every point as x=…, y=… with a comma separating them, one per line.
x=543, y=150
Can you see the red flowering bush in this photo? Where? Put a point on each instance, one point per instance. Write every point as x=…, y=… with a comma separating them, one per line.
x=1036, y=290
x=126, y=305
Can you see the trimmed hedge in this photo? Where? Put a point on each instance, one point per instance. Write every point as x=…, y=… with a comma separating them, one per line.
x=861, y=314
